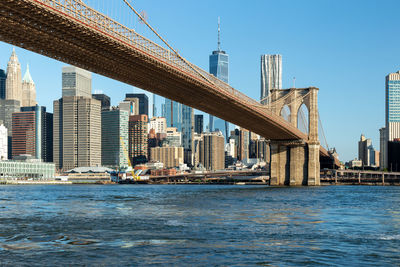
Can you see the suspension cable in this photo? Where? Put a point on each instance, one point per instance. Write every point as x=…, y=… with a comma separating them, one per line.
x=323, y=132
x=166, y=43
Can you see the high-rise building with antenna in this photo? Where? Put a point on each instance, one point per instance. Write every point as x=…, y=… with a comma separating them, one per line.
x=219, y=67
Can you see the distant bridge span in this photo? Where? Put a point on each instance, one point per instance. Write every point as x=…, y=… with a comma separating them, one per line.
x=70, y=31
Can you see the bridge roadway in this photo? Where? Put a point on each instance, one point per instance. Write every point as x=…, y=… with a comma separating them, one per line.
x=71, y=32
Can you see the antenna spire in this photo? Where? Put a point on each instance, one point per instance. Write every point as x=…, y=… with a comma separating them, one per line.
x=219, y=35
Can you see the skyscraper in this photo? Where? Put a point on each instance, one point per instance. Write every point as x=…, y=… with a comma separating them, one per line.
x=187, y=133
x=392, y=119
x=77, y=122
x=365, y=151
x=114, y=138
x=154, y=106
x=76, y=82
x=7, y=108
x=212, y=151
x=219, y=67
x=198, y=123
x=3, y=78
x=143, y=102
x=271, y=74
x=77, y=132
x=181, y=117
x=243, y=144
x=392, y=102
x=138, y=139
x=383, y=147
x=32, y=133
x=173, y=113
x=14, y=81
x=104, y=99
x=28, y=90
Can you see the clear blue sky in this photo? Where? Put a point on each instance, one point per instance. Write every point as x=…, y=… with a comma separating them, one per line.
x=345, y=48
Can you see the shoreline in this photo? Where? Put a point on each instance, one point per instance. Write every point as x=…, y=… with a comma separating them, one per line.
x=56, y=182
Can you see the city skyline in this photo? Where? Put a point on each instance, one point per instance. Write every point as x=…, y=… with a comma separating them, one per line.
x=340, y=84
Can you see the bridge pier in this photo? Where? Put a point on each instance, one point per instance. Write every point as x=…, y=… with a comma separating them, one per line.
x=278, y=165
x=294, y=163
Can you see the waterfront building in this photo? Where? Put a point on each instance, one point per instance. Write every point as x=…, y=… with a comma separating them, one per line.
x=32, y=133
x=77, y=132
x=3, y=78
x=28, y=90
x=76, y=82
x=198, y=124
x=26, y=167
x=271, y=74
x=3, y=142
x=143, y=102
x=131, y=106
x=114, y=138
x=219, y=67
x=212, y=152
x=138, y=139
x=89, y=175
x=174, y=138
x=14, y=79
x=171, y=157
x=104, y=99
x=159, y=124
x=355, y=163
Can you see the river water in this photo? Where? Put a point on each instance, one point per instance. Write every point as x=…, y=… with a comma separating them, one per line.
x=119, y=225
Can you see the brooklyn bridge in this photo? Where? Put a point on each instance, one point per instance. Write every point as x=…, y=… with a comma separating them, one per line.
x=72, y=32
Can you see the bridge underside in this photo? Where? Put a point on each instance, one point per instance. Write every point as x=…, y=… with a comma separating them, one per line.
x=39, y=28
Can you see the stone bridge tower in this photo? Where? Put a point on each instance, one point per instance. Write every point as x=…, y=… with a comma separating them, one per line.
x=296, y=162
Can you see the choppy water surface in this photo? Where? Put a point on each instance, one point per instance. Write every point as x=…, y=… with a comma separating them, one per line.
x=199, y=225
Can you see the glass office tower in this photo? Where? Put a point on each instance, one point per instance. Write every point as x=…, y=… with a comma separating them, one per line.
x=219, y=67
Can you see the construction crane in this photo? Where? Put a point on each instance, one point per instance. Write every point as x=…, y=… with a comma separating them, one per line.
x=134, y=176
